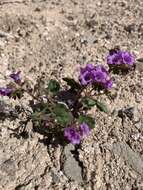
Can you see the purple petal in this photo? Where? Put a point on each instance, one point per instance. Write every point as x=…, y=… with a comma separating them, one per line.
x=72, y=135
x=108, y=85
x=84, y=130
x=128, y=58
x=101, y=68
x=99, y=76
x=114, y=59
x=16, y=77
x=90, y=67
x=85, y=78
x=5, y=91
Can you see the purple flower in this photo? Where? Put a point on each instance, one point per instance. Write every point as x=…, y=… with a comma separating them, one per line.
x=108, y=85
x=72, y=135
x=120, y=58
x=101, y=77
x=5, y=91
x=86, y=75
x=97, y=75
x=128, y=58
x=16, y=77
x=100, y=74
x=84, y=129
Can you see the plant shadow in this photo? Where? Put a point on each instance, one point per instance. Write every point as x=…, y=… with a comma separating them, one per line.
x=50, y=137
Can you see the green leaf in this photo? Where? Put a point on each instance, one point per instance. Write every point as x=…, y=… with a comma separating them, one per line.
x=62, y=114
x=39, y=116
x=35, y=116
x=18, y=93
x=101, y=106
x=87, y=119
x=88, y=102
x=53, y=86
x=72, y=83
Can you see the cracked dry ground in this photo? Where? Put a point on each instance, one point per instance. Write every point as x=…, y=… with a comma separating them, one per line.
x=53, y=38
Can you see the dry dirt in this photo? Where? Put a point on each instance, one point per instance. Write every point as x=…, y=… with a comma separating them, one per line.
x=53, y=38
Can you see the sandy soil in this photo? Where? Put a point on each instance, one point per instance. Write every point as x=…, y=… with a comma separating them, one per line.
x=53, y=38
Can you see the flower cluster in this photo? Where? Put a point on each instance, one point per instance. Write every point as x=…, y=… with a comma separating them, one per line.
x=74, y=135
x=119, y=57
x=95, y=75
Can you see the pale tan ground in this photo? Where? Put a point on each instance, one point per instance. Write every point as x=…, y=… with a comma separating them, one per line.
x=55, y=37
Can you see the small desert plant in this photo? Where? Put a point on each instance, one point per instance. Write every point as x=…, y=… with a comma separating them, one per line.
x=64, y=110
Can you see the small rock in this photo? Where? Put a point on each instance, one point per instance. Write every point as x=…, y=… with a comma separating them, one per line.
x=55, y=177
x=8, y=169
x=131, y=113
x=68, y=149
x=130, y=28
x=73, y=170
x=4, y=34
x=136, y=136
x=139, y=64
x=37, y=9
x=90, y=39
x=71, y=166
x=131, y=158
x=139, y=125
